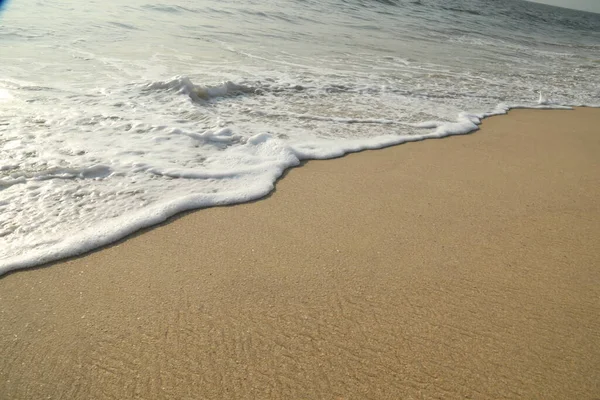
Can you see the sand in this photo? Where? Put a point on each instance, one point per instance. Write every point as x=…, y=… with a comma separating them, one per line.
x=467, y=267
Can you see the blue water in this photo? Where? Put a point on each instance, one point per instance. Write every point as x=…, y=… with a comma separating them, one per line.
x=114, y=116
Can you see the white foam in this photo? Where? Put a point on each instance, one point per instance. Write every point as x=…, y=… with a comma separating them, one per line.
x=5, y=95
x=184, y=85
x=86, y=207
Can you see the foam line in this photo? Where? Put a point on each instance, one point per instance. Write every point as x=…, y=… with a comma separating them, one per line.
x=287, y=156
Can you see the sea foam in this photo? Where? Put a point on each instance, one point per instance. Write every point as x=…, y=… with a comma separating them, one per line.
x=115, y=201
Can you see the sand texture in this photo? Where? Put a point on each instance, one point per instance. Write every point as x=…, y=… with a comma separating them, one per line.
x=467, y=267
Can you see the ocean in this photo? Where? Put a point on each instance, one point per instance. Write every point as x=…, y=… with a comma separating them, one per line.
x=115, y=116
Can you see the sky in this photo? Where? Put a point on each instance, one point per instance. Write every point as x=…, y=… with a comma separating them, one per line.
x=586, y=5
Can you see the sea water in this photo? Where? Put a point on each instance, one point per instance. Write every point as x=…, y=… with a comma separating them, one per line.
x=116, y=115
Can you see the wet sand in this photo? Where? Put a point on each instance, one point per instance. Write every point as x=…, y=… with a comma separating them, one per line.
x=466, y=267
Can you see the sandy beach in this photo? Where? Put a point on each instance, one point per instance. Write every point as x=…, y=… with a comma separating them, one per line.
x=466, y=267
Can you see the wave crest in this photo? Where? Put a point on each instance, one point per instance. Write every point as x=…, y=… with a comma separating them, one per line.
x=184, y=85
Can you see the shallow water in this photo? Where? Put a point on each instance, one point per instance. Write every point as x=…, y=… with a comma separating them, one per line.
x=116, y=116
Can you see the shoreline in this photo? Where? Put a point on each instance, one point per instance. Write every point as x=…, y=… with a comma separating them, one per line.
x=461, y=267
x=112, y=234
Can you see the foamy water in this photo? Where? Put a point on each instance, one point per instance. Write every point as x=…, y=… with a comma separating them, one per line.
x=114, y=117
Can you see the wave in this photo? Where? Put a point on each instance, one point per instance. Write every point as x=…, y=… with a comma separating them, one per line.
x=462, y=10
x=184, y=85
x=171, y=9
x=266, y=158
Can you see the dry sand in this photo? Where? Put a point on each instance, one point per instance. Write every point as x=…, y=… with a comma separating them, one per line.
x=467, y=267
